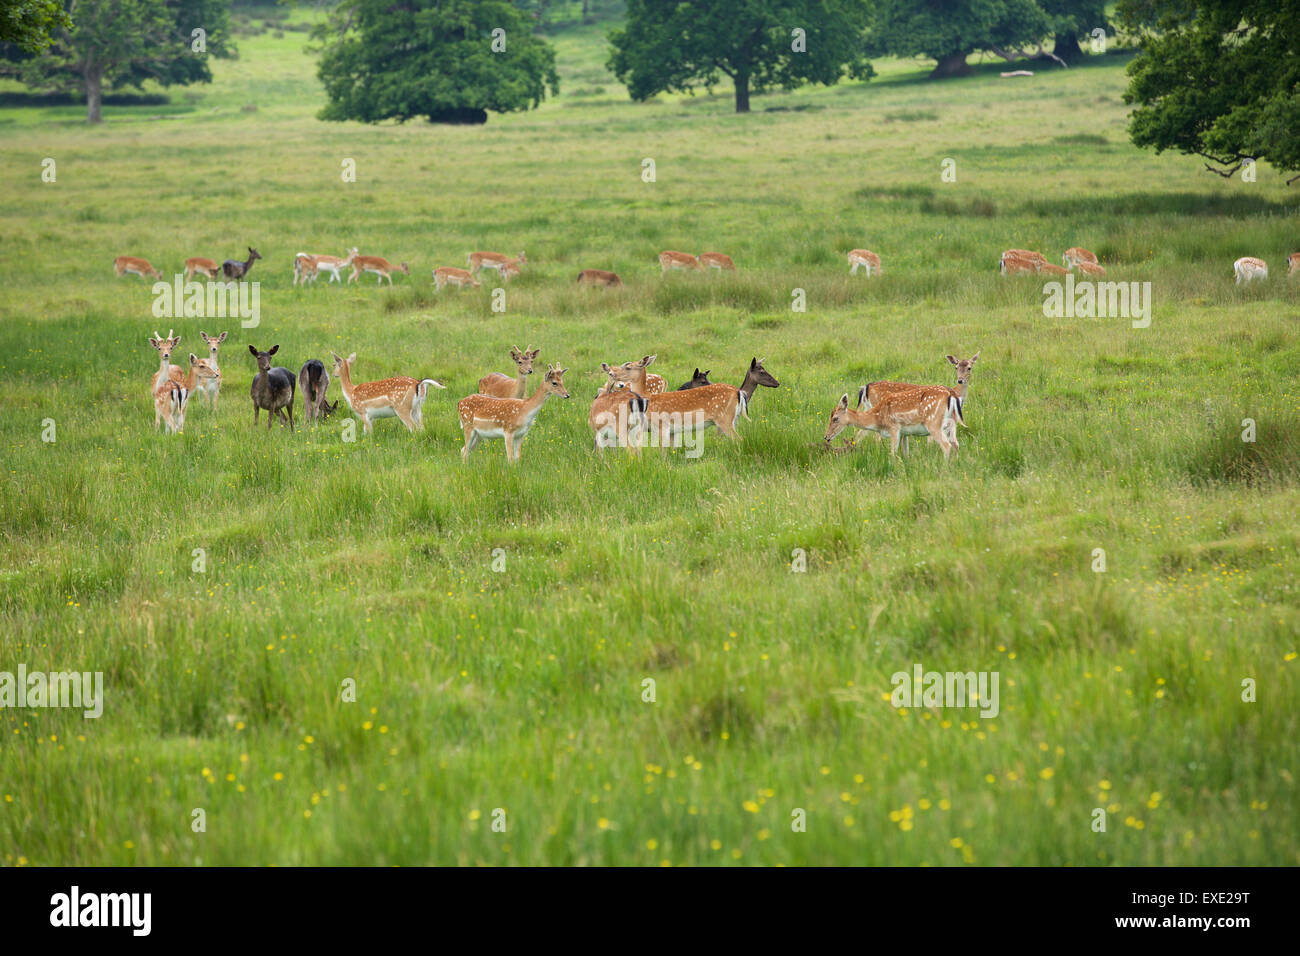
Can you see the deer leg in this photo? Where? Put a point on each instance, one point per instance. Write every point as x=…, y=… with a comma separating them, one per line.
x=894, y=437
x=727, y=428
x=292, y=427
x=904, y=446
x=257, y=410
x=407, y=418
x=510, y=439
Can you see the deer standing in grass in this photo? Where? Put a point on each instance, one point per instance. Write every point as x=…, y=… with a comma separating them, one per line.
x=234, y=269
x=677, y=260
x=617, y=417
x=894, y=412
x=669, y=414
x=314, y=382
x=873, y=392
x=492, y=260
x=484, y=416
x=307, y=266
x=866, y=259
x=171, y=397
x=503, y=386
x=1077, y=254
x=450, y=275
x=599, y=277
x=211, y=387
x=653, y=385
x=716, y=260
x=1248, y=269
x=272, y=388
x=207, y=267
x=380, y=266
x=755, y=376
x=166, y=371
x=135, y=266
x=400, y=397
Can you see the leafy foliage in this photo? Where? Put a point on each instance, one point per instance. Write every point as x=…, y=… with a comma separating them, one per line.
x=950, y=30
x=29, y=23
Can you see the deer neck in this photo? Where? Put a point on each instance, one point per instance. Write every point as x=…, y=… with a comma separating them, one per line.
x=960, y=390
x=749, y=385
x=345, y=382
x=212, y=360
x=533, y=403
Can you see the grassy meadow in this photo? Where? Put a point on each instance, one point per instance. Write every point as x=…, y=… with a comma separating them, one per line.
x=521, y=690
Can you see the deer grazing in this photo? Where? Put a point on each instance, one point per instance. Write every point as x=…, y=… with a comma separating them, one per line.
x=307, y=266
x=1051, y=268
x=677, y=260
x=599, y=277
x=211, y=387
x=493, y=260
x=450, y=275
x=171, y=397
x=503, y=386
x=865, y=258
x=1248, y=268
x=484, y=416
x=1077, y=254
x=207, y=267
x=398, y=397
x=135, y=266
x=380, y=266
x=698, y=379
x=896, y=411
x=234, y=269
x=876, y=391
x=669, y=414
x=315, y=382
x=1293, y=263
x=272, y=389
x=1012, y=264
x=1090, y=268
x=716, y=260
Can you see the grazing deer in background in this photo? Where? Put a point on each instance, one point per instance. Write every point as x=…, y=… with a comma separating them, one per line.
x=510, y=269
x=302, y=271
x=1052, y=268
x=1029, y=254
x=599, y=277
x=896, y=411
x=171, y=397
x=135, y=266
x=483, y=416
x=1077, y=254
x=212, y=386
x=653, y=385
x=866, y=258
x=208, y=267
x=503, y=386
x=1090, y=268
x=1013, y=265
x=380, y=266
x=671, y=413
x=1293, y=263
x=234, y=269
x=1248, y=268
x=492, y=260
x=716, y=260
x=398, y=397
x=677, y=260
x=698, y=379
x=315, y=382
x=166, y=371
x=272, y=389
x=450, y=275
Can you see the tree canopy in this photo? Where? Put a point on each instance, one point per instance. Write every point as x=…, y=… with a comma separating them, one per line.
x=1220, y=81
x=951, y=30
x=28, y=23
x=448, y=60
x=678, y=45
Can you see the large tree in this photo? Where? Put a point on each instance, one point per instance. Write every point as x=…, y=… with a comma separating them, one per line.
x=448, y=60
x=1071, y=21
x=125, y=43
x=1218, y=80
x=951, y=30
x=28, y=23
x=677, y=45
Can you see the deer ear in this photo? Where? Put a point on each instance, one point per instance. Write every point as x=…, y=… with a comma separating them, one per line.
x=203, y=335
x=649, y=359
x=274, y=349
x=194, y=359
x=604, y=367
x=534, y=353
x=753, y=362
x=222, y=337
x=844, y=400
x=253, y=350
x=352, y=358
x=952, y=360
x=974, y=357
x=697, y=372
x=153, y=341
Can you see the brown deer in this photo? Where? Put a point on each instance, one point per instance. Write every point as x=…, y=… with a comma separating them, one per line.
x=503, y=386
x=716, y=260
x=677, y=260
x=399, y=397
x=483, y=416
x=208, y=267
x=171, y=397
x=865, y=258
x=599, y=277
x=135, y=266
x=212, y=387
x=896, y=411
x=669, y=414
x=272, y=389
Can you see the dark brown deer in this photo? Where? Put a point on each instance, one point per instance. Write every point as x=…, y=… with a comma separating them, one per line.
x=272, y=389
x=315, y=382
x=234, y=269
x=698, y=379
x=755, y=376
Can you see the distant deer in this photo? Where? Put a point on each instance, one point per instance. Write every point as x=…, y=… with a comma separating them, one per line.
x=698, y=379
x=307, y=266
x=272, y=389
x=716, y=260
x=1052, y=268
x=482, y=416
x=492, y=260
x=399, y=397
x=135, y=266
x=234, y=269
x=1090, y=268
x=314, y=382
x=1076, y=255
x=208, y=267
x=865, y=258
x=896, y=411
x=450, y=275
x=380, y=266
x=503, y=386
x=1248, y=269
x=1293, y=263
x=677, y=260
x=599, y=277
x=211, y=387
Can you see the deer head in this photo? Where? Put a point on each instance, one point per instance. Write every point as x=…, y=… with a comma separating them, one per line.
x=165, y=345
x=698, y=379
x=524, y=360
x=761, y=375
x=263, y=358
x=839, y=418
x=555, y=380
x=253, y=255
x=213, y=341
x=964, y=367
x=343, y=366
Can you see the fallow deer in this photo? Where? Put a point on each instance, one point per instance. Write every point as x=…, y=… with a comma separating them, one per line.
x=876, y=391
x=599, y=277
x=755, y=376
x=484, y=416
x=1013, y=265
x=211, y=387
x=1077, y=254
x=1090, y=268
x=135, y=266
x=1248, y=268
x=400, y=397
x=166, y=371
x=617, y=417
x=668, y=414
x=208, y=267
x=503, y=386
x=314, y=382
x=171, y=397
x=380, y=266
x=865, y=258
x=492, y=260
x=450, y=275
x=234, y=269
x=698, y=379
x=716, y=260
x=1293, y=263
x=896, y=411
x=272, y=388
x=654, y=384
x=1051, y=268
x=304, y=268
x=321, y=263
x=677, y=260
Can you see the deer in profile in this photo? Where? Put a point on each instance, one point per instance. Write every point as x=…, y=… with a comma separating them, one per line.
x=755, y=376
x=653, y=384
x=599, y=277
x=400, y=397
x=171, y=397
x=716, y=260
x=207, y=267
x=272, y=389
x=483, y=416
x=135, y=266
x=234, y=269
x=1248, y=269
x=890, y=414
x=306, y=266
x=669, y=414
x=875, y=391
x=866, y=259
x=668, y=259
x=493, y=260
x=211, y=387
x=450, y=275
x=503, y=386
x=381, y=267
x=617, y=418
x=314, y=383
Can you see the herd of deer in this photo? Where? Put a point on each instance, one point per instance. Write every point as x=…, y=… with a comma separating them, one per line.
x=1026, y=261
x=633, y=408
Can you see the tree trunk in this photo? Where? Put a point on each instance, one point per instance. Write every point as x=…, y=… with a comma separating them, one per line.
x=1067, y=48
x=93, y=95
x=951, y=64
x=742, y=92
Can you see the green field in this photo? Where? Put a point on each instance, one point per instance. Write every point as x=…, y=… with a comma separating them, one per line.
x=521, y=690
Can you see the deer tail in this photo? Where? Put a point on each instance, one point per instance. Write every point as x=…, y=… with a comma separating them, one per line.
x=863, y=394
x=744, y=403
x=954, y=408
